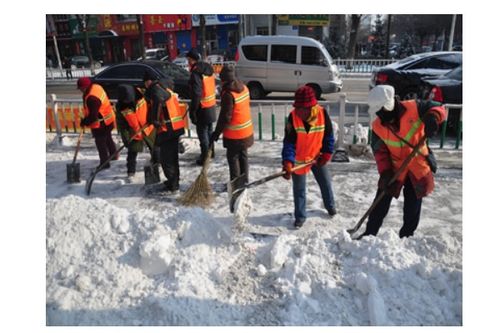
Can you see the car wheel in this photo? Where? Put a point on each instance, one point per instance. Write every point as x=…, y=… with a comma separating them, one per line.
x=256, y=91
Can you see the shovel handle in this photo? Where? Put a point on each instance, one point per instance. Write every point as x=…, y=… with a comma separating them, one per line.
x=78, y=145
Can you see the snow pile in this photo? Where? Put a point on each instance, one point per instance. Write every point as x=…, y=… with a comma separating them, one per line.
x=129, y=259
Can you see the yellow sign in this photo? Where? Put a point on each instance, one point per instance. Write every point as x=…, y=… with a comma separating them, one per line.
x=314, y=20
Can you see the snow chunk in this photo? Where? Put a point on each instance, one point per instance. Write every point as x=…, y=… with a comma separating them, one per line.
x=156, y=254
x=280, y=250
x=242, y=208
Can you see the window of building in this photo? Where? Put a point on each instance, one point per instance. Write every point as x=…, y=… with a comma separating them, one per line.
x=263, y=31
x=255, y=52
x=284, y=53
x=126, y=18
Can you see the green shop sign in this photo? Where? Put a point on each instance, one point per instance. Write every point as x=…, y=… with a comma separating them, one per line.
x=317, y=20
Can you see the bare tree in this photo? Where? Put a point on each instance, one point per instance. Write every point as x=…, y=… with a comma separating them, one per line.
x=353, y=34
x=388, y=36
x=140, y=23
x=83, y=22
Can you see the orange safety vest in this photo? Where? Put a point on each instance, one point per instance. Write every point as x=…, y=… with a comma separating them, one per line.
x=240, y=126
x=137, y=118
x=208, y=91
x=412, y=130
x=174, y=113
x=308, y=144
x=106, y=110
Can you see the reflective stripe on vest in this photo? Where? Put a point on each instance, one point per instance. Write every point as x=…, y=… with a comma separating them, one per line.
x=308, y=144
x=411, y=130
x=141, y=111
x=174, y=113
x=241, y=126
x=105, y=110
x=208, y=91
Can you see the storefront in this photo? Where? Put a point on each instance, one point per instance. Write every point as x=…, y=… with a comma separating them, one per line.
x=221, y=32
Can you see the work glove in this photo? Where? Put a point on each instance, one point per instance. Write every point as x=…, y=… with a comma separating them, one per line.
x=84, y=122
x=431, y=125
x=323, y=159
x=383, y=182
x=214, y=137
x=287, y=167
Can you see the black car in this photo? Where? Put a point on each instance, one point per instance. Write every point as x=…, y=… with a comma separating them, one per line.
x=133, y=72
x=406, y=75
x=446, y=89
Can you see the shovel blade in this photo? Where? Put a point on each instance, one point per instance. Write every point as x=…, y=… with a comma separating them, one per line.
x=73, y=173
x=151, y=174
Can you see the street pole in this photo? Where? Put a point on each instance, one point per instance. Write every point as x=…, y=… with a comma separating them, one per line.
x=452, y=32
x=270, y=25
x=140, y=23
x=57, y=54
x=388, y=37
x=203, y=37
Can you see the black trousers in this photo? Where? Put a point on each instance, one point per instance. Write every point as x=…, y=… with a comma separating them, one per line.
x=238, y=165
x=104, y=143
x=411, y=212
x=204, y=131
x=169, y=160
x=131, y=161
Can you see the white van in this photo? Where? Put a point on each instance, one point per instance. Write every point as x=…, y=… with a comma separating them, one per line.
x=284, y=63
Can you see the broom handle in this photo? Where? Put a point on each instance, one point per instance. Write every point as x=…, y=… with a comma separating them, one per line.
x=78, y=145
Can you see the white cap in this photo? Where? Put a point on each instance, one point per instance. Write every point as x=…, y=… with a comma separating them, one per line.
x=381, y=96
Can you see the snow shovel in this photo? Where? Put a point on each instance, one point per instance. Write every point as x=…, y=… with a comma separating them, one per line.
x=406, y=161
x=340, y=156
x=237, y=192
x=152, y=170
x=73, y=169
x=90, y=179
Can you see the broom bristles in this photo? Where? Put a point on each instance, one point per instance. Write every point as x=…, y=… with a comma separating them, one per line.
x=200, y=192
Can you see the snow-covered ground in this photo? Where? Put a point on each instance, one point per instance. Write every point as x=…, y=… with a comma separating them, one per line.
x=127, y=256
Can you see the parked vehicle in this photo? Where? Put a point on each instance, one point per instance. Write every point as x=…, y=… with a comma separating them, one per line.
x=406, y=75
x=133, y=72
x=181, y=60
x=83, y=62
x=284, y=63
x=155, y=54
x=446, y=89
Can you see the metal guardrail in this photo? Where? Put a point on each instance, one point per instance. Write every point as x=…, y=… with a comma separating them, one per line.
x=361, y=65
x=57, y=74
x=63, y=114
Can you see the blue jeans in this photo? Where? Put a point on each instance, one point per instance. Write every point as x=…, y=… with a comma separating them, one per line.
x=204, y=132
x=322, y=176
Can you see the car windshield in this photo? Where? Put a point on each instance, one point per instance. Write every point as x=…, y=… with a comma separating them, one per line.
x=327, y=54
x=172, y=70
x=150, y=53
x=409, y=59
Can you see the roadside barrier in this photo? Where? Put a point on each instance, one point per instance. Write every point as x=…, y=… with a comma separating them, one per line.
x=63, y=116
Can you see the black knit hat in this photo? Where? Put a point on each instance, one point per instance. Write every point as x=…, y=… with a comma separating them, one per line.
x=193, y=54
x=227, y=73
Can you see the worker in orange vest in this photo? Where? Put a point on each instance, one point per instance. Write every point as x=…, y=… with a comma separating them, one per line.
x=397, y=129
x=308, y=138
x=99, y=117
x=131, y=116
x=203, y=101
x=167, y=117
x=235, y=125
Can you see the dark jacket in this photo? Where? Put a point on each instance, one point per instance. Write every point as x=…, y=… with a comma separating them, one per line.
x=127, y=99
x=156, y=96
x=290, y=140
x=226, y=112
x=196, y=113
